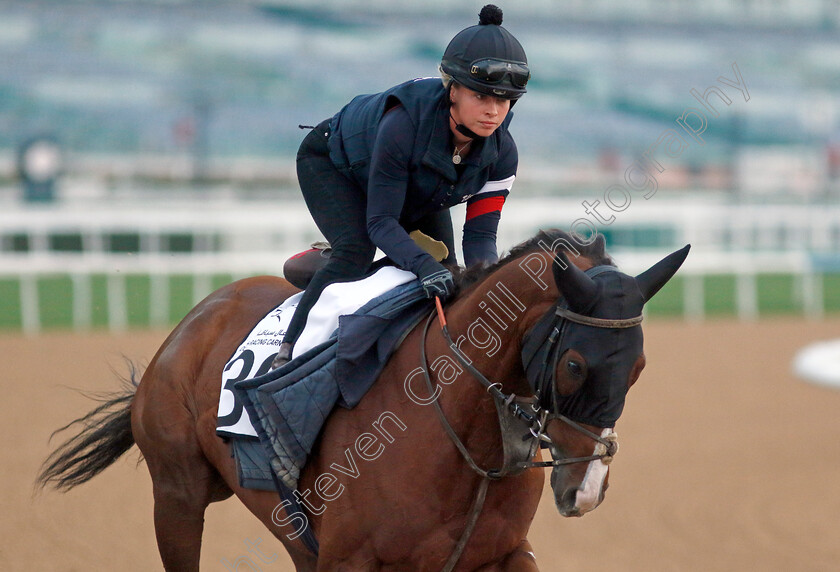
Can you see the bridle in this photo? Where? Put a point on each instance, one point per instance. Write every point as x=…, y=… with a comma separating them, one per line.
x=532, y=412
x=543, y=384
x=535, y=414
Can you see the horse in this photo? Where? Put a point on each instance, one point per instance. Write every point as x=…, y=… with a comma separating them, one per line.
x=553, y=328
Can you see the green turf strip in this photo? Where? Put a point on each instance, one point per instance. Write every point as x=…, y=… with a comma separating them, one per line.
x=777, y=294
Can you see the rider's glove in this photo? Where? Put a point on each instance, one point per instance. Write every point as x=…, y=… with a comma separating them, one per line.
x=436, y=279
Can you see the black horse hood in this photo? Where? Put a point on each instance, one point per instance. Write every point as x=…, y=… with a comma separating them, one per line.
x=598, y=319
x=610, y=353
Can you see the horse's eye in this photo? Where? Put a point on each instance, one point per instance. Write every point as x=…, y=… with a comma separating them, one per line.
x=571, y=373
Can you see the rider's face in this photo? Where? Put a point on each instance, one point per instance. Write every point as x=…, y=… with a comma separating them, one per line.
x=478, y=112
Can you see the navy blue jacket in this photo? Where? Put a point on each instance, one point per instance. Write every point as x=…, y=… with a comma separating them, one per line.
x=397, y=146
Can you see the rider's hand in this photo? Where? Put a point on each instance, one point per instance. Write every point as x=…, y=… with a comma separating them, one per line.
x=436, y=279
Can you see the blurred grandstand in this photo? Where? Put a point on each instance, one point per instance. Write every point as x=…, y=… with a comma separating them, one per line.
x=191, y=106
x=176, y=90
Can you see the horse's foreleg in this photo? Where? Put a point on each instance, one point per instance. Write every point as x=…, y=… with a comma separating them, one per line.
x=520, y=560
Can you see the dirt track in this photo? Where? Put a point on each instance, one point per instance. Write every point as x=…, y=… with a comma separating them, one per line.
x=727, y=463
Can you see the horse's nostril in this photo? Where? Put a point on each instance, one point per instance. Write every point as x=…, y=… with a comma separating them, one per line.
x=569, y=497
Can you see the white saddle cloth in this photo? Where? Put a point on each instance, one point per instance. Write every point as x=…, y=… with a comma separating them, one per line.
x=253, y=357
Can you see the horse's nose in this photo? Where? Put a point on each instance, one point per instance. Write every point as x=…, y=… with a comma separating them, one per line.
x=567, y=502
x=569, y=496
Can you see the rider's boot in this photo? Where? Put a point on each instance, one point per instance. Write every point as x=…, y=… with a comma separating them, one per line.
x=284, y=355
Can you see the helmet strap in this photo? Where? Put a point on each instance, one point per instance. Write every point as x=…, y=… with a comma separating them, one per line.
x=462, y=129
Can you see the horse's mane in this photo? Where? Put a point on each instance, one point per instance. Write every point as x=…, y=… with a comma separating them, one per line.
x=595, y=252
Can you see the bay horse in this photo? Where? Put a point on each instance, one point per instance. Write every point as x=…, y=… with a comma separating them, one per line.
x=396, y=485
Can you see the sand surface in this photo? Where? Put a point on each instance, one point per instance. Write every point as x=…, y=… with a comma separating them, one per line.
x=727, y=463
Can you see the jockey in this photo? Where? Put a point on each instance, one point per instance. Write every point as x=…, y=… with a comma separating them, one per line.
x=396, y=161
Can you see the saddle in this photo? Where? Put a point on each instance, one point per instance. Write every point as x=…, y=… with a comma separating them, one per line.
x=300, y=268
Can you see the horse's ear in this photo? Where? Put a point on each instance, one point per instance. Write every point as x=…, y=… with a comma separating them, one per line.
x=655, y=277
x=579, y=289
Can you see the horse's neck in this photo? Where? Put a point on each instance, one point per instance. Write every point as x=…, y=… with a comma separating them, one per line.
x=489, y=323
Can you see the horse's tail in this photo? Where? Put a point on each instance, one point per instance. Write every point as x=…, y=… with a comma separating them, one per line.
x=105, y=436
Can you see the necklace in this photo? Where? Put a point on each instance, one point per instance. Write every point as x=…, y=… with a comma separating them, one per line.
x=456, y=156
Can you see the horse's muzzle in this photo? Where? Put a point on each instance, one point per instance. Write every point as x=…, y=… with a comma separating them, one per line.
x=577, y=500
x=577, y=492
